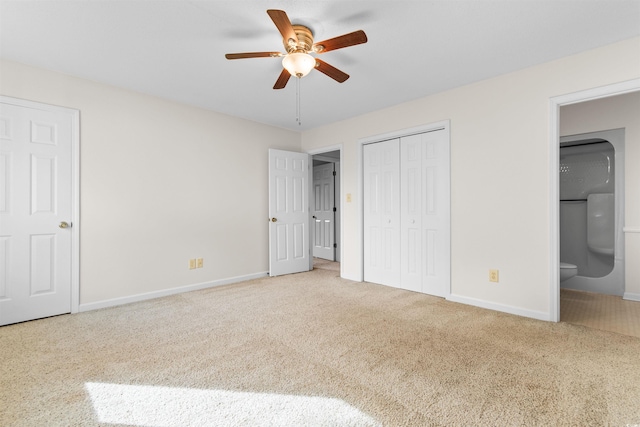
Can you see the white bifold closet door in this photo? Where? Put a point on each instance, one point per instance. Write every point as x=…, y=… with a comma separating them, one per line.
x=382, y=212
x=425, y=223
x=416, y=191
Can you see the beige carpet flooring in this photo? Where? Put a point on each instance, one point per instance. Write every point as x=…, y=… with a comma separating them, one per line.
x=313, y=349
x=604, y=312
x=326, y=264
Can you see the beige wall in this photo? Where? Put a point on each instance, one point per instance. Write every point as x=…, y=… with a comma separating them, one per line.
x=622, y=111
x=500, y=164
x=163, y=182
x=160, y=183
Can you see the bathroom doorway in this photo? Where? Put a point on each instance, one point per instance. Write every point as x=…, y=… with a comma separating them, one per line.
x=592, y=211
x=605, y=294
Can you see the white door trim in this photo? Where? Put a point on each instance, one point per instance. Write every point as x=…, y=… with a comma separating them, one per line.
x=442, y=125
x=75, y=187
x=554, y=161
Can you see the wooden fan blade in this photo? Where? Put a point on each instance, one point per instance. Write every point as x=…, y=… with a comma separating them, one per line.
x=351, y=39
x=252, y=55
x=280, y=18
x=282, y=79
x=331, y=71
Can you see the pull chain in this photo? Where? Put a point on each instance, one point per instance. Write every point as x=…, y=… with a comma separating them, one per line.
x=298, y=101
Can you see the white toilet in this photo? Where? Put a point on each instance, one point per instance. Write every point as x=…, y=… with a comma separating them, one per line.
x=567, y=271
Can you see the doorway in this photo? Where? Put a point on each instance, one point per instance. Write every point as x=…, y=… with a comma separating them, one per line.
x=325, y=206
x=592, y=211
x=584, y=101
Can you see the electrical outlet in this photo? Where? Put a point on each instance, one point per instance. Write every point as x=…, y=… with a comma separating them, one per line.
x=192, y=264
x=200, y=262
x=493, y=275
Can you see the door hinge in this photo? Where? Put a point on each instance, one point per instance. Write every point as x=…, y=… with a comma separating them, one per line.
x=334, y=173
x=335, y=245
x=334, y=209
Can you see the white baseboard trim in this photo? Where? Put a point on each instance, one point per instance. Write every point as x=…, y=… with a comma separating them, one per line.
x=539, y=315
x=631, y=297
x=166, y=292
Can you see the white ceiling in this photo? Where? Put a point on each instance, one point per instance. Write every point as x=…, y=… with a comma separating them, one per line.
x=175, y=49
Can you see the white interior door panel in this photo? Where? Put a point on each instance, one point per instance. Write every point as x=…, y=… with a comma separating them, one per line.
x=289, y=249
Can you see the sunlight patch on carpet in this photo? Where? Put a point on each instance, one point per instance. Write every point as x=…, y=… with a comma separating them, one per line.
x=171, y=406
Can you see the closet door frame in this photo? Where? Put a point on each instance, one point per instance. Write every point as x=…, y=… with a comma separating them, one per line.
x=437, y=126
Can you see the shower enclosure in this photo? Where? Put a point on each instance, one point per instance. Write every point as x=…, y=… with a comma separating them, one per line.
x=592, y=209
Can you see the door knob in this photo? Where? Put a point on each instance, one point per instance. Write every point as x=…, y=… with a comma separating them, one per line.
x=64, y=224
x=274, y=219
x=314, y=217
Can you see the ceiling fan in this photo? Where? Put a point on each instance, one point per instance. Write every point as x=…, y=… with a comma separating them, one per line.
x=298, y=43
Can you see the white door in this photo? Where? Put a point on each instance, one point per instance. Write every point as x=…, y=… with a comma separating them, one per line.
x=382, y=212
x=323, y=211
x=411, y=238
x=289, y=249
x=425, y=211
x=436, y=214
x=36, y=210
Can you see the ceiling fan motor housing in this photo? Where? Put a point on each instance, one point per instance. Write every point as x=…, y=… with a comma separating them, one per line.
x=305, y=40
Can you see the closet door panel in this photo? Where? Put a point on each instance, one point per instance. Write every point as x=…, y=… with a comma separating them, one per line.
x=436, y=213
x=411, y=265
x=382, y=213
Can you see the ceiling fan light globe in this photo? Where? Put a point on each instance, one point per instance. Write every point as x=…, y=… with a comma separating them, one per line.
x=299, y=64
